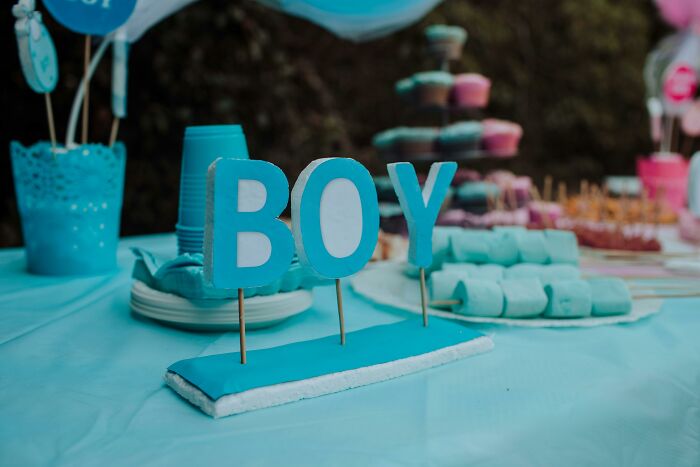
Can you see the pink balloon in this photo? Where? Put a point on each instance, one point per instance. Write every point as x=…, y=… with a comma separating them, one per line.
x=680, y=13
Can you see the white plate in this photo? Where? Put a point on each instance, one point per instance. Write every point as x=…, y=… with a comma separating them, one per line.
x=217, y=315
x=386, y=284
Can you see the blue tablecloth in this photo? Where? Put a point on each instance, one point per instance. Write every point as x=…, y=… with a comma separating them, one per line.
x=81, y=384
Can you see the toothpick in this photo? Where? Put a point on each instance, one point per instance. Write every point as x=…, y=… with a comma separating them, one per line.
x=423, y=297
x=535, y=194
x=561, y=194
x=113, y=133
x=603, y=203
x=241, y=323
x=86, y=95
x=511, y=198
x=52, y=126
x=547, y=190
x=341, y=319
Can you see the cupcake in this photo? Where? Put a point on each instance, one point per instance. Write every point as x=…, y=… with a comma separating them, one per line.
x=404, y=88
x=416, y=143
x=445, y=42
x=460, y=138
x=465, y=175
x=474, y=196
x=432, y=88
x=501, y=138
x=385, y=189
x=470, y=90
x=384, y=143
x=544, y=214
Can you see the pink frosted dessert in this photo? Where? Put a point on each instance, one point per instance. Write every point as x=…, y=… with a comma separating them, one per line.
x=470, y=90
x=501, y=138
x=544, y=214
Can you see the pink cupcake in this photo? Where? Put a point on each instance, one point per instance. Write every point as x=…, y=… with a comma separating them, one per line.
x=501, y=138
x=470, y=90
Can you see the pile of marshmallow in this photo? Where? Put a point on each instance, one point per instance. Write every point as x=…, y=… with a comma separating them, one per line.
x=512, y=272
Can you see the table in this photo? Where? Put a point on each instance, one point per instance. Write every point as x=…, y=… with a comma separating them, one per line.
x=81, y=384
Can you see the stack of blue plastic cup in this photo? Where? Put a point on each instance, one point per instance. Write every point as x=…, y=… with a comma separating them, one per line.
x=202, y=146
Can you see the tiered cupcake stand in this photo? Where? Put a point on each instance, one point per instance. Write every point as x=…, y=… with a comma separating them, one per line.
x=446, y=95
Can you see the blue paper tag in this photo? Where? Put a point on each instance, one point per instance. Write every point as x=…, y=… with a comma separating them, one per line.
x=91, y=17
x=37, y=53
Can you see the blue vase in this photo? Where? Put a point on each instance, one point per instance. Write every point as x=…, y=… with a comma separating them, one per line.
x=69, y=204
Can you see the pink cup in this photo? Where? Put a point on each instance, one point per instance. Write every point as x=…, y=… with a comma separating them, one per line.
x=668, y=172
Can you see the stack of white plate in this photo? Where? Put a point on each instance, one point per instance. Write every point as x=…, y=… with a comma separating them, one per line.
x=216, y=315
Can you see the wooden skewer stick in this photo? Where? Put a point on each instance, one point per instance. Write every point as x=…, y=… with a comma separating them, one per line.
x=113, y=133
x=86, y=80
x=52, y=126
x=241, y=323
x=423, y=297
x=445, y=302
x=341, y=319
x=635, y=297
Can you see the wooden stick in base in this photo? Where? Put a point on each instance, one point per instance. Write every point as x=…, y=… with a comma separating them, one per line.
x=113, y=133
x=52, y=126
x=241, y=323
x=423, y=297
x=341, y=319
x=86, y=80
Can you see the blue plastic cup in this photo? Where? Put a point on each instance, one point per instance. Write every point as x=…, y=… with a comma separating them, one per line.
x=69, y=204
x=202, y=146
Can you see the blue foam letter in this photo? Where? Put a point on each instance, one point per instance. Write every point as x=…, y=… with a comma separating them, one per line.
x=245, y=244
x=335, y=216
x=421, y=208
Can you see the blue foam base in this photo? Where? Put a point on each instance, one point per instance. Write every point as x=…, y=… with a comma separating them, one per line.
x=221, y=375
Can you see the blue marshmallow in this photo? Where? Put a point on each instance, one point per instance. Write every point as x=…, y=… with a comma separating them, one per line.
x=568, y=299
x=533, y=248
x=610, y=296
x=478, y=298
x=562, y=246
x=523, y=298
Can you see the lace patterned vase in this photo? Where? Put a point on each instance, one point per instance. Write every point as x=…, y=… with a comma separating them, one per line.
x=70, y=206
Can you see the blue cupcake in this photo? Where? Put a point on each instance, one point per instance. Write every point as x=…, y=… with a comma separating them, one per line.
x=432, y=88
x=416, y=142
x=460, y=137
x=384, y=143
x=445, y=42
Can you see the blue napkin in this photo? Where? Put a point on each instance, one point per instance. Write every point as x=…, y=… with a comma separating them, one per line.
x=184, y=276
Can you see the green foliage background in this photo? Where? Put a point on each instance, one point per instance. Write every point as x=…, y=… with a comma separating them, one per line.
x=569, y=71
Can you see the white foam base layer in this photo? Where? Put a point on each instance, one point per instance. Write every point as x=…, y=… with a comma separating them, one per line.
x=293, y=391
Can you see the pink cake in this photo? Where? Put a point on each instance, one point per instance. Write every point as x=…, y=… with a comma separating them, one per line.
x=501, y=138
x=470, y=90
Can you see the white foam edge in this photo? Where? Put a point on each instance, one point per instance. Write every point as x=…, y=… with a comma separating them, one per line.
x=283, y=393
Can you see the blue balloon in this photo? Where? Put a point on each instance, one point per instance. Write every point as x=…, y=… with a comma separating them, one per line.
x=421, y=207
x=91, y=17
x=235, y=208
